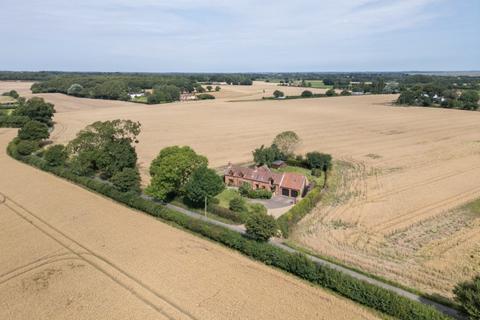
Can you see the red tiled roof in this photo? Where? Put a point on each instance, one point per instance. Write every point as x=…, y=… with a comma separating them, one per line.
x=262, y=174
x=288, y=180
x=293, y=181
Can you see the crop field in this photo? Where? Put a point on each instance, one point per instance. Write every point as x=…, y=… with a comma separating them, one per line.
x=258, y=90
x=6, y=99
x=68, y=253
x=404, y=174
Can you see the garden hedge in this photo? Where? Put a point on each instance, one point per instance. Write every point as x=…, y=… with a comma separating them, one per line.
x=300, y=210
x=298, y=264
x=226, y=213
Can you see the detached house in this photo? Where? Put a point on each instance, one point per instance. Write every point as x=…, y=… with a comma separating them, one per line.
x=286, y=184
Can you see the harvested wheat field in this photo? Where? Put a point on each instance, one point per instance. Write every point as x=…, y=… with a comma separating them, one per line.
x=68, y=253
x=258, y=90
x=404, y=172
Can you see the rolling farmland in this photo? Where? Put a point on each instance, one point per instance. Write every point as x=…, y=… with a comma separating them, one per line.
x=69, y=253
x=403, y=173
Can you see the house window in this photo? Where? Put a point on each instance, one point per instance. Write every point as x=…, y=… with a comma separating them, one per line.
x=285, y=192
x=256, y=186
x=230, y=181
x=294, y=193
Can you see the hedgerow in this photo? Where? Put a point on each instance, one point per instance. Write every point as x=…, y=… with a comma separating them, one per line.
x=298, y=264
x=9, y=121
x=300, y=210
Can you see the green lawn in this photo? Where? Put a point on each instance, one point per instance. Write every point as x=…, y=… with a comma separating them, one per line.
x=225, y=196
x=318, y=84
x=228, y=194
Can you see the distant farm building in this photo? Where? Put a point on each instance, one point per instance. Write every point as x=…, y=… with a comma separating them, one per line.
x=186, y=96
x=286, y=184
x=278, y=164
x=136, y=95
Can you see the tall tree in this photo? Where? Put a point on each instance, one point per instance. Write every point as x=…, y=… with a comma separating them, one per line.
x=105, y=147
x=34, y=130
x=287, y=142
x=36, y=109
x=266, y=156
x=203, y=185
x=261, y=226
x=278, y=94
x=172, y=169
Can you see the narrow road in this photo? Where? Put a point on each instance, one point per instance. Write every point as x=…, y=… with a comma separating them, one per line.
x=277, y=242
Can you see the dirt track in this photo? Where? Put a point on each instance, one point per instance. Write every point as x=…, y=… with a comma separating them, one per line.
x=70, y=254
x=408, y=169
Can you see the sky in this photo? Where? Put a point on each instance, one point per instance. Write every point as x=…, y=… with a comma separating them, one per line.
x=240, y=36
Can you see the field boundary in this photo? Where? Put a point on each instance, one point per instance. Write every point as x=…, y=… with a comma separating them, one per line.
x=354, y=286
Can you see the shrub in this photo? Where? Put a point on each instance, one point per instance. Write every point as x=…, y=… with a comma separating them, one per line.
x=205, y=96
x=12, y=93
x=55, y=155
x=278, y=94
x=468, y=295
x=307, y=94
x=244, y=189
x=247, y=191
x=75, y=89
x=34, y=130
x=237, y=217
x=261, y=226
x=127, y=180
x=316, y=172
x=26, y=147
x=260, y=194
x=330, y=93
x=257, y=208
x=237, y=204
x=345, y=93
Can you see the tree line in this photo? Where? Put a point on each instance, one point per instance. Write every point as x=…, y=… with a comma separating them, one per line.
x=438, y=95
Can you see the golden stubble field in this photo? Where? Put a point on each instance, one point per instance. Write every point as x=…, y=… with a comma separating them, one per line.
x=402, y=172
x=68, y=253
